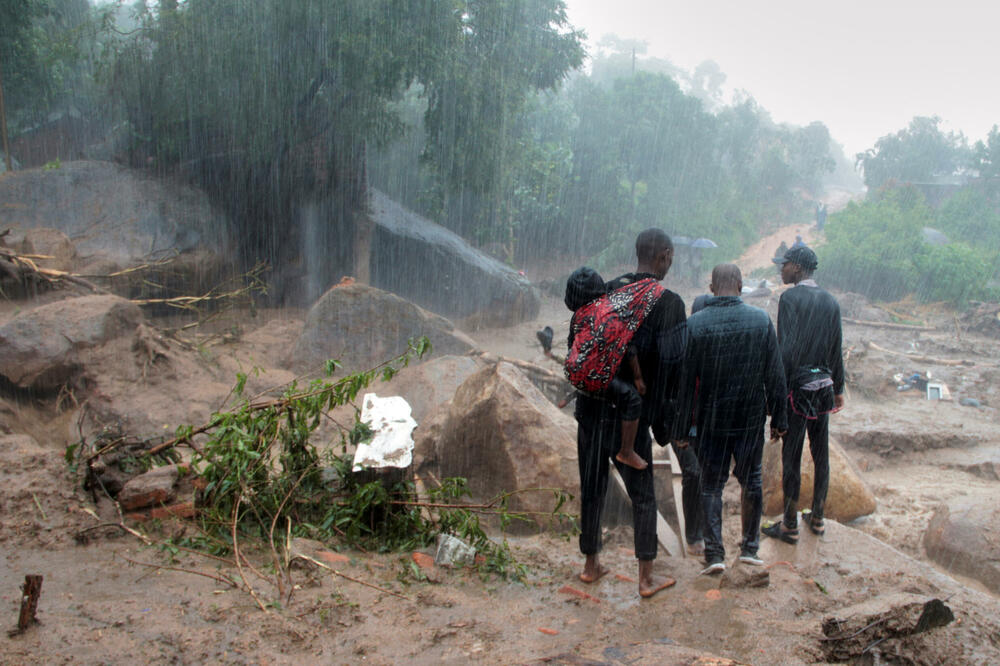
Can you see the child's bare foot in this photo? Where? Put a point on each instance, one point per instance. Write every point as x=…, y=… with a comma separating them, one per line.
x=592, y=570
x=632, y=459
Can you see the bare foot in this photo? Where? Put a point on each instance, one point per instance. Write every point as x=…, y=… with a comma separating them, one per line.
x=594, y=576
x=650, y=586
x=592, y=570
x=632, y=459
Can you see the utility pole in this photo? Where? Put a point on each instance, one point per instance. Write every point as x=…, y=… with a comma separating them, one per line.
x=3, y=125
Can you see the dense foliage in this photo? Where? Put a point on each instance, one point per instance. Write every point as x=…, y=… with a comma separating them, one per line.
x=44, y=59
x=917, y=154
x=458, y=108
x=880, y=247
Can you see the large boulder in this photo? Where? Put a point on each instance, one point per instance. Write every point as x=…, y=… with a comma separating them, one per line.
x=40, y=348
x=961, y=537
x=429, y=385
x=503, y=435
x=110, y=212
x=848, y=498
x=428, y=264
x=362, y=326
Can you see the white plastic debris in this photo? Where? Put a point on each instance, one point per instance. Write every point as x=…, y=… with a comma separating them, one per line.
x=392, y=444
x=452, y=551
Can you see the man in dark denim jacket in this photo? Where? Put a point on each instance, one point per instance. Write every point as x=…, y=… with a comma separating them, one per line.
x=732, y=355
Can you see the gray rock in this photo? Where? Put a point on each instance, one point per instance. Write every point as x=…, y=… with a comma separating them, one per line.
x=961, y=538
x=453, y=552
x=112, y=212
x=428, y=385
x=362, y=326
x=970, y=402
x=428, y=264
x=503, y=435
x=39, y=347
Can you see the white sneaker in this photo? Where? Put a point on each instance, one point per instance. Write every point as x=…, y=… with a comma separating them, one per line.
x=714, y=568
x=747, y=558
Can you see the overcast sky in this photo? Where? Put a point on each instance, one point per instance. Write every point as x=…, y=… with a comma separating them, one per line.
x=863, y=68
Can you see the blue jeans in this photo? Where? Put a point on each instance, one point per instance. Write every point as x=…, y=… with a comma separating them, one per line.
x=715, y=454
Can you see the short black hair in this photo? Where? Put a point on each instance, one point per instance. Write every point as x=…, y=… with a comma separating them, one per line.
x=650, y=243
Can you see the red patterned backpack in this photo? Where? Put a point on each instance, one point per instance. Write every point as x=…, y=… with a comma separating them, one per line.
x=603, y=330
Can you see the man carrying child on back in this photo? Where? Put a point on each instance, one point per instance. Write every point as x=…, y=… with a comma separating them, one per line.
x=659, y=343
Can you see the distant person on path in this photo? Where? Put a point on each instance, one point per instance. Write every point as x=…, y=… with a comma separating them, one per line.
x=626, y=389
x=820, y=216
x=659, y=344
x=798, y=241
x=809, y=337
x=782, y=249
x=732, y=356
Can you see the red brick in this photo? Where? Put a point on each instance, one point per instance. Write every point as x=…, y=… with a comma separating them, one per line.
x=566, y=589
x=331, y=557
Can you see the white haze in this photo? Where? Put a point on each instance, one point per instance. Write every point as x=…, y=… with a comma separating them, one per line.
x=863, y=68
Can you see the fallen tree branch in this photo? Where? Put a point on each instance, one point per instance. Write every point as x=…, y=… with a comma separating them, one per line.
x=236, y=552
x=888, y=324
x=918, y=358
x=350, y=578
x=181, y=569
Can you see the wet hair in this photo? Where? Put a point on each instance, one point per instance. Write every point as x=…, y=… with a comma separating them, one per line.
x=650, y=243
x=726, y=276
x=584, y=285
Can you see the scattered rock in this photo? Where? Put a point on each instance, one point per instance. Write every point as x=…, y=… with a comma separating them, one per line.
x=970, y=402
x=503, y=435
x=48, y=242
x=848, y=497
x=39, y=347
x=178, y=510
x=152, y=488
x=961, y=537
x=363, y=326
x=740, y=575
x=880, y=622
x=453, y=552
x=112, y=212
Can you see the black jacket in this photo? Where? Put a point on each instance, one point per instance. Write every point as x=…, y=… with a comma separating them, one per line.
x=659, y=344
x=809, y=332
x=732, y=356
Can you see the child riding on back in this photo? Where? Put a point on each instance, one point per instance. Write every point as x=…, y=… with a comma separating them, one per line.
x=626, y=388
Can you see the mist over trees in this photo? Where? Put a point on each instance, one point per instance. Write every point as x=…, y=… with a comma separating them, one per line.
x=486, y=116
x=922, y=182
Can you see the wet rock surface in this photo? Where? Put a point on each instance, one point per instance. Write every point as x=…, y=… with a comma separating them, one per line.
x=498, y=421
x=41, y=348
x=435, y=268
x=363, y=326
x=962, y=537
x=111, y=212
x=848, y=497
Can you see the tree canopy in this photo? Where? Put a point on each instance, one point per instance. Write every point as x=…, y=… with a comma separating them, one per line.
x=916, y=154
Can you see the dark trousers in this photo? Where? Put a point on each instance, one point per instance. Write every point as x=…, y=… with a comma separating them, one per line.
x=791, y=464
x=715, y=454
x=690, y=491
x=598, y=438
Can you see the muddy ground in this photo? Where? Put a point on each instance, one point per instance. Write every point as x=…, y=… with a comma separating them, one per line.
x=99, y=606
